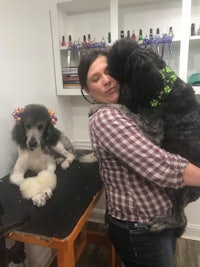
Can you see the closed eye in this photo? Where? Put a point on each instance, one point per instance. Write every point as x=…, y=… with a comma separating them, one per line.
x=95, y=78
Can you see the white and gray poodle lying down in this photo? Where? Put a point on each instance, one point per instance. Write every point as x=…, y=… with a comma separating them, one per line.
x=41, y=146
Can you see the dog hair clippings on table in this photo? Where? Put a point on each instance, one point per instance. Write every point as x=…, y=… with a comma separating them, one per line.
x=17, y=113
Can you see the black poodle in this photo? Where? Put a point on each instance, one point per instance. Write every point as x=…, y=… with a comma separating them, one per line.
x=169, y=113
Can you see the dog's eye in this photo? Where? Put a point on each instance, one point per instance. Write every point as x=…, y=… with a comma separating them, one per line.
x=27, y=126
x=40, y=127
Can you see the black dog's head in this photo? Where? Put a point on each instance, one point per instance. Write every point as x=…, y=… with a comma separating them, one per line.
x=34, y=127
x=138, y=70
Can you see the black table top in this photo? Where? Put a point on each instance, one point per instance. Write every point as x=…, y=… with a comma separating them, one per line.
x=75, y=190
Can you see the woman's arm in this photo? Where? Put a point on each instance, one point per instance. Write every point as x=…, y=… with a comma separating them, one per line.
x=191, y=175
x=118, y=136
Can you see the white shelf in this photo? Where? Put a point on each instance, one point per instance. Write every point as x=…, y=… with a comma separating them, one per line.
x=196, y=37
x=78, y=18
x=69, y=91
x=197, y=90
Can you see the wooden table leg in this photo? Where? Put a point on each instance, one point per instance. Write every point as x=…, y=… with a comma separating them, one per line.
x=102, y=239
x=66, y=258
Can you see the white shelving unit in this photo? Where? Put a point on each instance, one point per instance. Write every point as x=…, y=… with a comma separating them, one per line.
x=78, y=18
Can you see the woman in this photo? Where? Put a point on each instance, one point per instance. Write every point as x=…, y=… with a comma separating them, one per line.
x=134, y=170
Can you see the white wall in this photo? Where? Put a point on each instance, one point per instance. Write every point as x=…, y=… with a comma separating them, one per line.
x=27, y=73
x=27, y=76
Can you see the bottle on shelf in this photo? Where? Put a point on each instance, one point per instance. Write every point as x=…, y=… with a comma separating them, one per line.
x=171, y=33
x=122, y=34
x=84, y=40
x=157, y=37
x=63, y=43
x=150, y=34
x=89, y=38
x=128, y=34
x=109, y=38
x=193, y=29
x=140, y=37
x=70, y=41
x=133, y=35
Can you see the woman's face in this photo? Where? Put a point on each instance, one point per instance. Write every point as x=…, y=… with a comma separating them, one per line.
x=100, y=85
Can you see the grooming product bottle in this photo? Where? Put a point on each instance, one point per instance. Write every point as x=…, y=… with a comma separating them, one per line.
x=133, y=35
x=89, y=38
x=150, y=34
x=63, y=43
x=109, y=38
x=157, y=36
x=192, y=29
x=140, y=37
x=70, y=41
x=171, y=33
x=128, y=34
x=84, y=39
x=122, y=34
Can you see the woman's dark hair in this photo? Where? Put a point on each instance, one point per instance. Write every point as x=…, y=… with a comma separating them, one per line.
x=87, y=59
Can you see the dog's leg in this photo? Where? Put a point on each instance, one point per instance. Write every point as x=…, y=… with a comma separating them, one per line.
x=51, y=166
x=39, y=188
x=17, y=174
x=69, y=157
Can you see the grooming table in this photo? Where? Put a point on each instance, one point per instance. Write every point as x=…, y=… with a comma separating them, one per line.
x=60, y=224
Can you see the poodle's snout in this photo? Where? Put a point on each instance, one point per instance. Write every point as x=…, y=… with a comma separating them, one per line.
x=33, y=143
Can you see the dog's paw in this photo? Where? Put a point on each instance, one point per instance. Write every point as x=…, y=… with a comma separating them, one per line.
x=39, y=200
x=39, y=188
x=16, y=179
x=58, y=161
x=65, y=164
x=48, y=193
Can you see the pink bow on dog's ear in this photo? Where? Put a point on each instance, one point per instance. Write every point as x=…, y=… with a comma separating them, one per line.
x=52, y=116
x=17, y=114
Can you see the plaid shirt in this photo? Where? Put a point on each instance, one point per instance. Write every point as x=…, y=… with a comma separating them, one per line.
x=134, y=170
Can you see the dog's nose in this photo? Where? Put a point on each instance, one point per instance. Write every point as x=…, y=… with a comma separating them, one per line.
x=33, y=143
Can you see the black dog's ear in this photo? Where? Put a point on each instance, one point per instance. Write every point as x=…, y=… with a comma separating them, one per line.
x=142, y=74
x=51, y=135
x=19, y=134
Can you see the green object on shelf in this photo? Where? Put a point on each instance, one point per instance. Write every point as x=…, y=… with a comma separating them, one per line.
x=194, y=79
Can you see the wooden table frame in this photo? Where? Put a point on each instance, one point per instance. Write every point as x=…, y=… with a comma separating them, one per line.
x=69, y=249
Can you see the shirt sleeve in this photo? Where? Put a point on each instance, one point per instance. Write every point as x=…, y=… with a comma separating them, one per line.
x=120, y=136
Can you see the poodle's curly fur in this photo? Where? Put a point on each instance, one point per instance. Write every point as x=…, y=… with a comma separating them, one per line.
x=176, y=120
x=41, y=146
